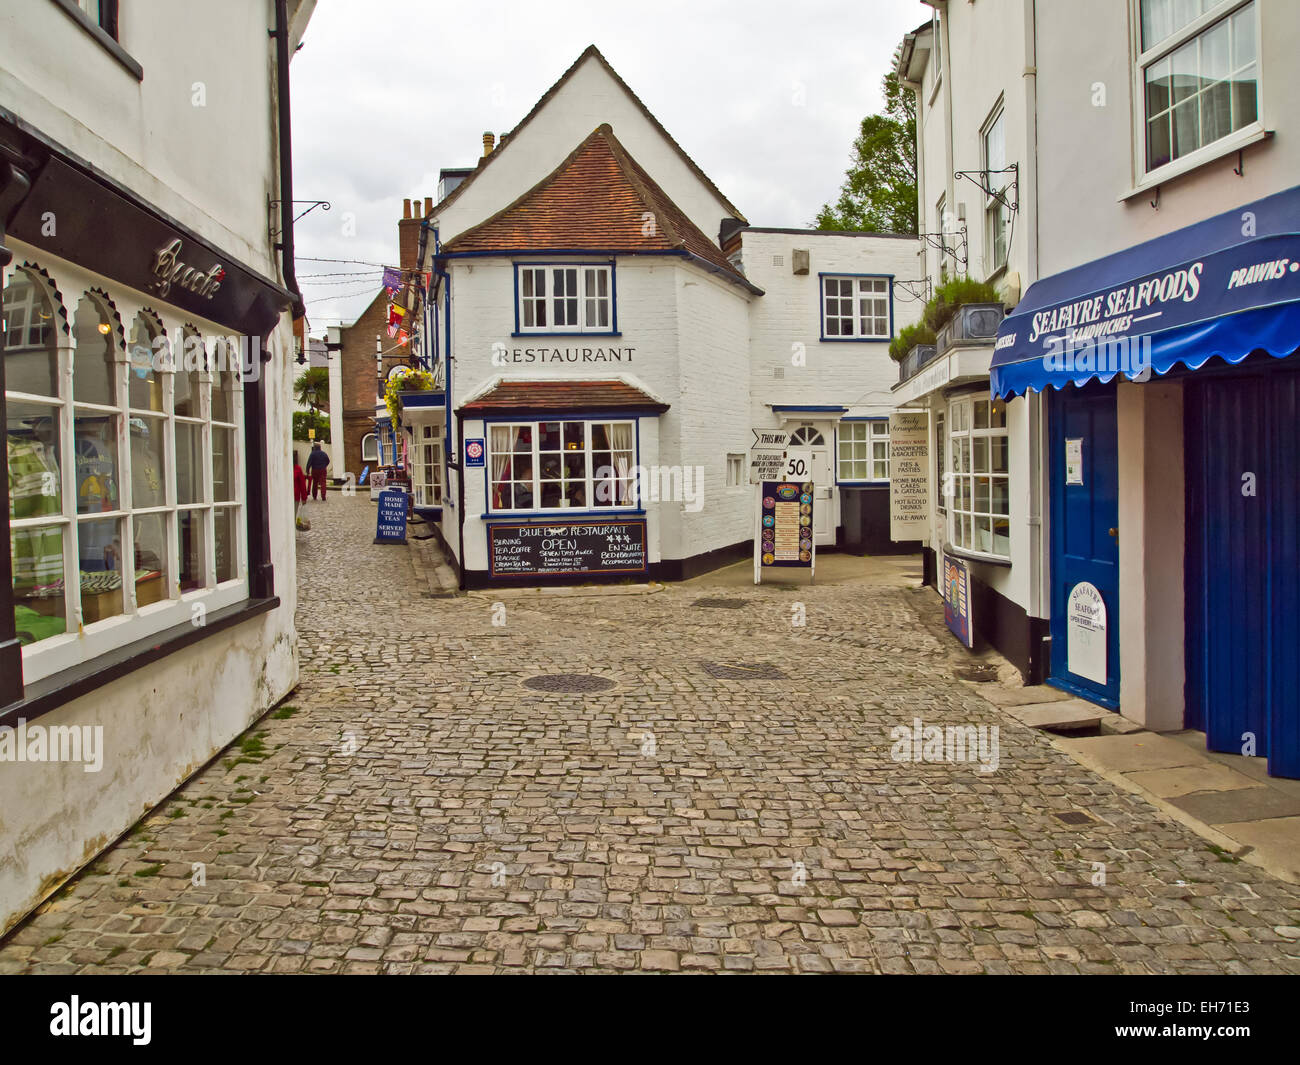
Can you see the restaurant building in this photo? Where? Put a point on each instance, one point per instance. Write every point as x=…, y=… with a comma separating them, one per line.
x=609, y=329
x=145, y=387
x=1154, y=533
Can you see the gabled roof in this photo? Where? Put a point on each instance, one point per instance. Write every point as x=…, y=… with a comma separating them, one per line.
x=591, y=51
x=598, y=199
x=560, y=396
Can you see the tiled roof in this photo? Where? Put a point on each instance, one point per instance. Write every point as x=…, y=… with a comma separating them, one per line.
x=591, y=51
x=513, y=397
x=598, y=199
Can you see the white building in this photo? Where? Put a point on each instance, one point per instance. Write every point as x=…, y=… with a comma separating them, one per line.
x=1147, y=369
x=145, y=387
x=604, y=309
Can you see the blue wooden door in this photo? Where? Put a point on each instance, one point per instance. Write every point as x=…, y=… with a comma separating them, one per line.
x=1084, y=485
x=1242, y=438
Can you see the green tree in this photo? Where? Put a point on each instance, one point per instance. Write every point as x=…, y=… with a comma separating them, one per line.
x=879, y=190
x=312, y=388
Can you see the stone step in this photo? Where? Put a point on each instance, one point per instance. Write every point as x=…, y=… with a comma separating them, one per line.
x=1064, y=714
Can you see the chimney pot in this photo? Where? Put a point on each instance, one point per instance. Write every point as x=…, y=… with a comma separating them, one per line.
x=406, y=208
x=489, y=142
x=428, y=206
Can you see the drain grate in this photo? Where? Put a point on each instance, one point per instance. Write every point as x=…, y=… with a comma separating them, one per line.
x=568, y=682
x=1073, y=817
x=720, y=604
x=729, y=671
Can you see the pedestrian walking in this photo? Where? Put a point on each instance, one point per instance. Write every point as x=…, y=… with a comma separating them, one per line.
x=299, y=492
x=317, y=463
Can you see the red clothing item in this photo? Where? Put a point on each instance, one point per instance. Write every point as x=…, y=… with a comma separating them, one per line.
x=318, y=483
x=300, y=490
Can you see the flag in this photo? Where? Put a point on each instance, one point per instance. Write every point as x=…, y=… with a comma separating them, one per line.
x=392, y=278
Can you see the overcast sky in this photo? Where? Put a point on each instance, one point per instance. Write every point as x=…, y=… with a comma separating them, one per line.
x=765, y=96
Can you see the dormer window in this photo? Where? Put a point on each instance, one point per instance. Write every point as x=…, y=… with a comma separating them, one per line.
x=565, y=299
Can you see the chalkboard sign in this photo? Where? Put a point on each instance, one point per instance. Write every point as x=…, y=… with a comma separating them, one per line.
x=786, y=523
x=390, y=526
x=535, y=550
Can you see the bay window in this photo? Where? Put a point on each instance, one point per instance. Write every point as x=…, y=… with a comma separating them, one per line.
x=565, y=299
x=561, y=465
x=428, y=466
x=978, y=485
x=126, y=503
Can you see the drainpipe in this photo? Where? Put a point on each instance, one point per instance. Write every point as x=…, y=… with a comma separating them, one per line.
x=285, y=142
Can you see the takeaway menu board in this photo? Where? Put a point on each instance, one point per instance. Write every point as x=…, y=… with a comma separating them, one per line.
x=787, y=523
x=578, y=547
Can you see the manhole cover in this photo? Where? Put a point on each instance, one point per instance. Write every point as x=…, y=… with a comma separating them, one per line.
x=720, y=604
x=728, y=671
x=977, y=673
x=1073, y=817
x=568, y=682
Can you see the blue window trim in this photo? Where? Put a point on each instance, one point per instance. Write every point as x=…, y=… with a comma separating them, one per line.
x=542, y=516
x=821, y=310
x=584, y=416
x=612, y=265
x=796, y=408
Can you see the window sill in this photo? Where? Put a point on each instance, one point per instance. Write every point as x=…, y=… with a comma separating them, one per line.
x=1225, y=146
x=501, y=515
x=856, y=340
x=522, y=336
x=69, y=8
x=42, y=696
x=975, y=556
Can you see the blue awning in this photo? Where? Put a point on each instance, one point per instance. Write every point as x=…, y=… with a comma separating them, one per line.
x=1225, y=288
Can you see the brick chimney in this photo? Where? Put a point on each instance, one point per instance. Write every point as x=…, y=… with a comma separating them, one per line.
x=408, y=230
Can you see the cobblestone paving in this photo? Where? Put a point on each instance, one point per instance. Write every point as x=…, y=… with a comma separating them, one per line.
x=423, y=810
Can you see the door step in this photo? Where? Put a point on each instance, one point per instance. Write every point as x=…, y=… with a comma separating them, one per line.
x=1064, y=715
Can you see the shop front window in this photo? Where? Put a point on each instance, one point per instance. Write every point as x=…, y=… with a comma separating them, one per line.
x=562, y=465
x=120, y=461
x=428, y=467
x=979, y=503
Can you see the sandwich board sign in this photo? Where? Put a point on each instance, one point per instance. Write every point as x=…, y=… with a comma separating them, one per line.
x=785, y=528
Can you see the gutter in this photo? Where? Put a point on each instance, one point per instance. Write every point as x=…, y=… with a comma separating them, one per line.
x=285, y=142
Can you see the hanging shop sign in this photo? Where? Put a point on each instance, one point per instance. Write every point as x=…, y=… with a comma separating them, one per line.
x=475, y=452
x=785, y=536
x=100, y=228
x=1085, y=633
x=390, y=522
x=909, y=475
x=577, y=547
x=956, y=599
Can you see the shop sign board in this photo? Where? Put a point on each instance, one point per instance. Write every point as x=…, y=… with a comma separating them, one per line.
x=566, y=549
x=475, y=452
x=390, y=522
x=956, y=599
x=909, y=475
x=785, y=526
x=1085, y=633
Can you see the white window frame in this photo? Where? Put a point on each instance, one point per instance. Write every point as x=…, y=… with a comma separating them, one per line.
x=863, y=437
x=590, y=480
x=862, y=286
x=996, y=211
x=427, y=481
x=82, y=642
x=735, y=470
x=960, y=483
x=1145, y=57
x=592, y=295
x=373, y=454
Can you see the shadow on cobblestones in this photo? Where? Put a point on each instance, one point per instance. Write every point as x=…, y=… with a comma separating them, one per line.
x=420, y=809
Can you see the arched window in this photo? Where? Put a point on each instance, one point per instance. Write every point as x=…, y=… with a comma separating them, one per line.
x=370, y=448
x=807, y=436
x=33, y=452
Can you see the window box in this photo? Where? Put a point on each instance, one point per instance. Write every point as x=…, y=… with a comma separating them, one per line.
x=974, y=323
x=917, y=359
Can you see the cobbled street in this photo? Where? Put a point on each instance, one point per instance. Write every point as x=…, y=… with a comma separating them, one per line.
x=414, y=807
